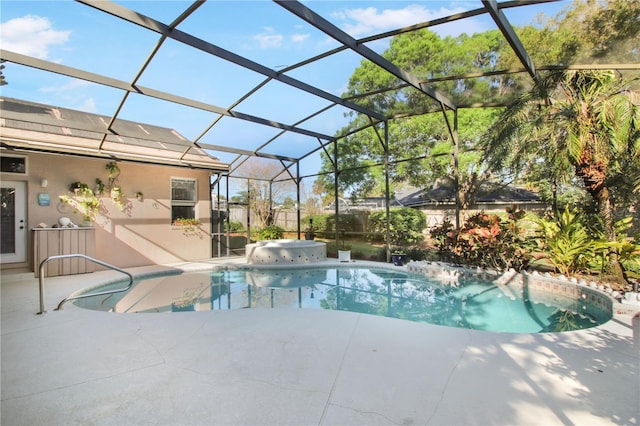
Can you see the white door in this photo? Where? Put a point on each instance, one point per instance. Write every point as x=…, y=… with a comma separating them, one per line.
x=13, y=222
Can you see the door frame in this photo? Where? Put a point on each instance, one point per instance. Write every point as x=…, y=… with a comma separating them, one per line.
x=21, y=231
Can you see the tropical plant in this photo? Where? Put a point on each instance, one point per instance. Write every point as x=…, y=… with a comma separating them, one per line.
x=568, y=243
x=629, y=249
x=485, y=240
x=441, y=236
x=585, y=124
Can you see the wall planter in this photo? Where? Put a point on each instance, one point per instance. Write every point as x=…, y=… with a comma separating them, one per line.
x=183, y=307
x=189, y=227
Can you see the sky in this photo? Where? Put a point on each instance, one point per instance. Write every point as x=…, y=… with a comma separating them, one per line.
x=76, y=35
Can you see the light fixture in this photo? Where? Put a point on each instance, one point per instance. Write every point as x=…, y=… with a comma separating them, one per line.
x=44, y=183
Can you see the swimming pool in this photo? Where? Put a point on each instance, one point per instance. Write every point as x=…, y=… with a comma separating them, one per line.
x=464, y=302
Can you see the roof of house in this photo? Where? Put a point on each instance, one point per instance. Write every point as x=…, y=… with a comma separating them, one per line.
x=35, y=127
x=443, y=192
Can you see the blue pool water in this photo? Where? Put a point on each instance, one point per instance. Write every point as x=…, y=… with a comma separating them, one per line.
x=463, y=303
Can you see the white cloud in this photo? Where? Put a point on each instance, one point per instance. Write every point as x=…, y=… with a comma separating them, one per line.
x=31, y=35
x=367, y=21
x=299, y=38
x=74, y=95
x=269, y=38
x=72, y=85
x=89, y=105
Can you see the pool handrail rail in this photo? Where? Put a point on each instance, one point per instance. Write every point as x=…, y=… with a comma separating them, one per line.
x=80, y=296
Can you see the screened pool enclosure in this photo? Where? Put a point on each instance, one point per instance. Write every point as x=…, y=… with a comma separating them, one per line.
x=272, y=83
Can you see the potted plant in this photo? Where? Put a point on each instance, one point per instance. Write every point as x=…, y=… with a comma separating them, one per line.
x=399, y=257
x=344, y=254
x=99, y=190
x=309, y=233
x=77, y=187
x=116, y=193
x=114, y=171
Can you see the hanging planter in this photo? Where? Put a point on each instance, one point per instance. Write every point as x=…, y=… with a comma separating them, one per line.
x=118, y=197
x=83, y=200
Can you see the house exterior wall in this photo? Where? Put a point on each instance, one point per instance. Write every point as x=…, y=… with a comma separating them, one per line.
x=141, y=234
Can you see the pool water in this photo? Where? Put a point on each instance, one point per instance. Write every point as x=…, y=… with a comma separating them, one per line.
x=464, y=303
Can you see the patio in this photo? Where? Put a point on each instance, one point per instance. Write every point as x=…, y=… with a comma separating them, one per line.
x=297, y=367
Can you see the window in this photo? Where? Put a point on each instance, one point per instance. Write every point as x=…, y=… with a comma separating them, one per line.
x=183, y=199
x=13, y=165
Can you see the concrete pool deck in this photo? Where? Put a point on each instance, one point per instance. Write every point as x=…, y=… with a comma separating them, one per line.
x=298, y=367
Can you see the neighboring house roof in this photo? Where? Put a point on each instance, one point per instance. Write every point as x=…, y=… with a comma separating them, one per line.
x=366, y=203
x=36, y=127
x=443, y=192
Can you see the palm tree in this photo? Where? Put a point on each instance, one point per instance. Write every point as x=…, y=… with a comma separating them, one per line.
x=581, y=124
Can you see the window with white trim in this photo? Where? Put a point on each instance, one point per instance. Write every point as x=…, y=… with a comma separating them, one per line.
x=184, y=196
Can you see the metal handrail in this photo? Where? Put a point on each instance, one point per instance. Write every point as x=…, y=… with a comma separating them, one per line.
x=81, y=296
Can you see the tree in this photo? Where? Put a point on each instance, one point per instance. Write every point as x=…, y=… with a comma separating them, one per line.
x=311, y=202
x=421, y=148
x=582, y=122
x=258, y=189
x=606, y=31
x=421, y=152
x=420, y=145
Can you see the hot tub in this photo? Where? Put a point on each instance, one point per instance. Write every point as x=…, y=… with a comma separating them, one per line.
x=286, y=252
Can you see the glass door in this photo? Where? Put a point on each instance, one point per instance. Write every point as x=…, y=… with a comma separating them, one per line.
x=13, y=222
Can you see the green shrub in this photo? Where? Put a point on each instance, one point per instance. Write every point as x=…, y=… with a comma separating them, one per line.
x=319, y=222
x=420, y=254
x=346, y=222
x=271, y=232
x=234, y=226
x=405, y=225
x=325, y=224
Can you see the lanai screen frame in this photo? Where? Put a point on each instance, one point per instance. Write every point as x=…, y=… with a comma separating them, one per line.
x=327, y=143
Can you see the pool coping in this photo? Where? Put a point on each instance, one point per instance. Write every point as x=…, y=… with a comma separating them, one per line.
x=274, y=367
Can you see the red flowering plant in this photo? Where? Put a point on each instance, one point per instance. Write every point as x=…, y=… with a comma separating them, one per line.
x=484, y=240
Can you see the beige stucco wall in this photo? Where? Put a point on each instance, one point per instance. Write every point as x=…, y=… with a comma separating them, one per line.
x=141, y=234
